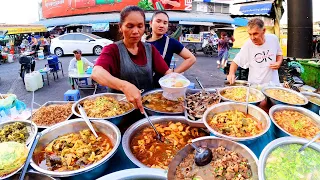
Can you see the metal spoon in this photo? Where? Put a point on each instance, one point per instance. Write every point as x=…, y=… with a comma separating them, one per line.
x=159, y=137
x=247, y=97
x=203, y=155
x=86, y=119
x=141, y=91
x=200, y=84
x=26, y=164
x=310, y=142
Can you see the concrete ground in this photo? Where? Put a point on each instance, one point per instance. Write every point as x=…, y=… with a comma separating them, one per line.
x=205, y=69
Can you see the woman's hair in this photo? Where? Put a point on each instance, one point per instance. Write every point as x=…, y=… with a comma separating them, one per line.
x=127, y=10
x=159, y=12
x=223, y=33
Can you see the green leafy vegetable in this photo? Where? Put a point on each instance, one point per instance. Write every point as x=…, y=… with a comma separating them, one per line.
x=145, y=5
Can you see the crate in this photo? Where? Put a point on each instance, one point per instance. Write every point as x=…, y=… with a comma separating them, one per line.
x=311, y=74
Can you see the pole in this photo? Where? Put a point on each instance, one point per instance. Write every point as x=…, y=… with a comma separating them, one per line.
x=300, y=28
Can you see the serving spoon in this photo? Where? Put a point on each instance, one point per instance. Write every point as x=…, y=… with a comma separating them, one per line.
x=310, y=142
x=159, y=136
x=86, y=119
x=203, y=155
x=247, y=97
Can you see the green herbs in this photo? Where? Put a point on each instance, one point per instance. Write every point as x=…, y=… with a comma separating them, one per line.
x=17, y=132
x=286, y=163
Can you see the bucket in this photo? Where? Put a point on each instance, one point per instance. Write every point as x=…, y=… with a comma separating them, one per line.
x=10, y=58
x=40, y=55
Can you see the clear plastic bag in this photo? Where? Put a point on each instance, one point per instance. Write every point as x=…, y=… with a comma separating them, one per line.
x=174, y=86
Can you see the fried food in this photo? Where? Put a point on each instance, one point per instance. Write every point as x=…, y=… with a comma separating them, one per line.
x=52, y=114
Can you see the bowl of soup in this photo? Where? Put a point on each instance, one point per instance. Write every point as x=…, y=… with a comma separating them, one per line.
x=142, y=147
x=137, y=174
x=314, y=101
x=280, y=95
x=280, y=159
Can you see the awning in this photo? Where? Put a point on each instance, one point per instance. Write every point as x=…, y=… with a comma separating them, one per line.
x=263, y=8
x=240, y=21
x=115, y=17
x=23, y=29
x=196, y=23
x=100, y=27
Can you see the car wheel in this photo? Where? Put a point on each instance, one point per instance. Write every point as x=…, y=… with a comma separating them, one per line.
x=97, y=50
x=58, y=52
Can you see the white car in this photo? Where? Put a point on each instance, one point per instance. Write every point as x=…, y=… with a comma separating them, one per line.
x=87, y=43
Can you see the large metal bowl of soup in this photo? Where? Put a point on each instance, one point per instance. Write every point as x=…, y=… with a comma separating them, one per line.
x=144, y=150
x=98, y=109
x=50, y=139
x=284, y=96
x=314, y=101
x=294, y=121
x=156, y=104
x=33, y=176
x=196, y=103
x=246, y=130
x=31, y=127
x=137, y=174
x=234, y=94
x=280, y=159
x=182, y=166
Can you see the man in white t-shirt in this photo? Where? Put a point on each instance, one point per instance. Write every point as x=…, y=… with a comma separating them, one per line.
x=261, y=54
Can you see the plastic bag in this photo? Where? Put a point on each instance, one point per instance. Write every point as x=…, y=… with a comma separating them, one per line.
x=174, y=86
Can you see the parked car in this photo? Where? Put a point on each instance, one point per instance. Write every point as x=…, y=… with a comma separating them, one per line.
x=87, y=43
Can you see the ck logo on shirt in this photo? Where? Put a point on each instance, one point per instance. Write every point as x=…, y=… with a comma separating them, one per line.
x=263, y=57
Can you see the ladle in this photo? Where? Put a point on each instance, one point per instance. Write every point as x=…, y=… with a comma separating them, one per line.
x=247, y=97
x=310, y=142
x=159, y=137
x=86, y=119
x=203, y=155
x=200, y=84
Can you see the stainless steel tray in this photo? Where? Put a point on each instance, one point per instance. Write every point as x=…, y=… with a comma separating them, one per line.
x=52, y=103
x=199, y=122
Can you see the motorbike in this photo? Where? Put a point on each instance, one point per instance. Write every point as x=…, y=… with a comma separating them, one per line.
x=27, y=65
x=209, y=48
x=290, y=73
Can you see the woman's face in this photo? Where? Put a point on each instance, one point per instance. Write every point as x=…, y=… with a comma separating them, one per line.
x=159, y=24
x=133, y=27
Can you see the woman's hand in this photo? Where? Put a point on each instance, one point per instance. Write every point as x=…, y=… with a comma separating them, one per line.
x=133, y=95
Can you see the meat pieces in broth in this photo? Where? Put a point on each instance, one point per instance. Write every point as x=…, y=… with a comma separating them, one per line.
x=225, y=165
x=154, y=153
x=157, y=102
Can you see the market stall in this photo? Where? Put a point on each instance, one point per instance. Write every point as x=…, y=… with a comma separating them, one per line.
x=213, y=117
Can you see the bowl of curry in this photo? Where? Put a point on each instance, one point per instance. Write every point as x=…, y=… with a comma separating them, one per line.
x=69, y=149
x=144, y=150
x=239, y=94
x=156, y=104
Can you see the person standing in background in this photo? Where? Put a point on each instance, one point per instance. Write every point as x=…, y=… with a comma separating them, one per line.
x=223, y=50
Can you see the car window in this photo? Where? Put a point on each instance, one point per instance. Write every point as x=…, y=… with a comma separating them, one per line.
x=94, y=36
x=80, y=37
x=67, y=37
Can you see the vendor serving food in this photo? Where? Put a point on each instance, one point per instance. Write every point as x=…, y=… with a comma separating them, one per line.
x=261, y=54
x=128, y=65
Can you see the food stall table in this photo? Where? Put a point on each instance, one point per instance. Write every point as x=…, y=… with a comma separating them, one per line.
x=74, y=75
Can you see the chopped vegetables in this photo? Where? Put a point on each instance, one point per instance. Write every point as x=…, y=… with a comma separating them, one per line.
x=286, y=163
x=16, y=131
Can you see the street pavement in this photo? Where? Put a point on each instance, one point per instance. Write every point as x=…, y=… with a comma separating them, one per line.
x=205, y=69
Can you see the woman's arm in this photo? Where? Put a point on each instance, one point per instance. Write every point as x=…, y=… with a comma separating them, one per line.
x=133, y=94
x=189, y=60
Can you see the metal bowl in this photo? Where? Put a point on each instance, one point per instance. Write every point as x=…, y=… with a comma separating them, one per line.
x=138, y=126
x=160, y=113
x=214, y=142
x=254, y=91
x=312, y=106
x=113, y=119
x=186, y=115
x=276, y=101
x=92, y=171
x=137, y=174
x=53, y=103
x=280, y=142
x=31, y=127
x=254, y=111
x=236, y=83
x=33, y=176
x=279, y=131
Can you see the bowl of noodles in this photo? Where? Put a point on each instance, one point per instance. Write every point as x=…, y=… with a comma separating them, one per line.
x=228, y=120
x=294, y=121
x=239, y=94
x=280, y=95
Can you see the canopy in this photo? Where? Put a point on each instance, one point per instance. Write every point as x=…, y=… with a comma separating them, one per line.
x=21, y=29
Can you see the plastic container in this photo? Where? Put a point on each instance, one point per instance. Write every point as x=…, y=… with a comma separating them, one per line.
x=38, y=78
x=30, y=81
x=53, y=60
x=40, y=55
x=174, y=86
x=10, y=58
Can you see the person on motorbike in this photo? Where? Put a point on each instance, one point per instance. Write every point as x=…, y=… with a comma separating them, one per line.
x=168, y=46
x=261, y=54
